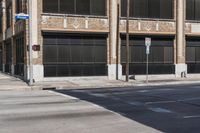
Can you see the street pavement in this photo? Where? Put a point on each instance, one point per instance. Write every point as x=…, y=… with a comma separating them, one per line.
x=54, y=112
x=169, y=109
x=151, y=108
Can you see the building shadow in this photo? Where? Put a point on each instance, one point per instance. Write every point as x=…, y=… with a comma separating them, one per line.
x=131, y=104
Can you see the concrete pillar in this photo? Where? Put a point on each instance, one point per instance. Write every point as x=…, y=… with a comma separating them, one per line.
x=114, y=69
x=4, y=32
x=180, y=66
x=38, y=72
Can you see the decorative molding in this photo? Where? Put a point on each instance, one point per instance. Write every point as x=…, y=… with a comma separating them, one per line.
x=75, y=23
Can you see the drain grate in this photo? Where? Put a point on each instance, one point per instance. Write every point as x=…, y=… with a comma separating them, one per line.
x=49, y=88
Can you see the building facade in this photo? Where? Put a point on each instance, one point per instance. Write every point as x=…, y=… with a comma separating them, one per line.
x=79, y=38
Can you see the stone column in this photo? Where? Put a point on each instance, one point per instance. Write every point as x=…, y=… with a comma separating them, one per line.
x=113, y=67
x=4, y=33
x=180, y=66
x=38, y=70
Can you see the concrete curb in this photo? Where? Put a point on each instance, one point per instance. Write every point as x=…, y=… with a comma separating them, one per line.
x=63, y=87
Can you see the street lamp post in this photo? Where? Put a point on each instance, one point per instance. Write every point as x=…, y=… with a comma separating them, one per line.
x=127, y=41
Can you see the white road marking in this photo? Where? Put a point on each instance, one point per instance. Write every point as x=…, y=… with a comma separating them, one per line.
x=143, y=91
x=189, y=99
x=165, y=89
x=192, y=116
x=136, y=103
x=160, y=102
x=160, y=110
x=98, y=95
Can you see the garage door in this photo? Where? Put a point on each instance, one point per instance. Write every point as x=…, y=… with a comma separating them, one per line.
x=161, y=58
x=74, y=55
x=193, y=55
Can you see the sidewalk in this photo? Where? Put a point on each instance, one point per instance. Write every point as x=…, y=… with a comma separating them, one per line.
x=11, y=83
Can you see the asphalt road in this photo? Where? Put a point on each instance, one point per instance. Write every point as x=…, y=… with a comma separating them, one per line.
x=54, y=112
x=170, y=109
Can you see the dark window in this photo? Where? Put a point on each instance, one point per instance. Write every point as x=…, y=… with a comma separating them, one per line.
x=166, y=9
x=192, y=9
x=1, y=18
x=149, y=8
x=154, y=8
x=19, y=6
x=1, y=23
x=67, y=6
x=50, y=6
x=82, y=7
x=8, y=15
x=98, y=7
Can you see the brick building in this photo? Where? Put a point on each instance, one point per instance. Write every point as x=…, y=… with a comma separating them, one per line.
x=78, y=38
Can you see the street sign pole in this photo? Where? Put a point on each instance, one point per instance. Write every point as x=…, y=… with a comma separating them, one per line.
x=127, y=40
x=22, y=16
x=147, y=69
x=147, y=44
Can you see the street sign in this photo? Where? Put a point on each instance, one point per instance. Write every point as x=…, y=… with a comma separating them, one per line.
x=147, y=41
x=22, y=16
x=147, y=44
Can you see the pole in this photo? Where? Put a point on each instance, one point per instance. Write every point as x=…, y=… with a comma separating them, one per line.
x=147, y=69
x=30, y=44
x=117, y=47
x=127, y=41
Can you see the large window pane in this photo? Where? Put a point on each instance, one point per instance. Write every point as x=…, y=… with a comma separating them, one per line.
x=154, y=8
x=83, y=7
x=80, y=7
x=166, y=9
x=149, y=8
x=67, y=6
x=189, y=9
x=98, y=7
x=139, y=8
x=50, y=6
x=197, y=10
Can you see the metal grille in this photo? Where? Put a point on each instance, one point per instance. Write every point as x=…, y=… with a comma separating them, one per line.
x=74, y=55
x=193, y=55
x=161, y=57
x=1, y=58
x=8, y=49
x=19, y=67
